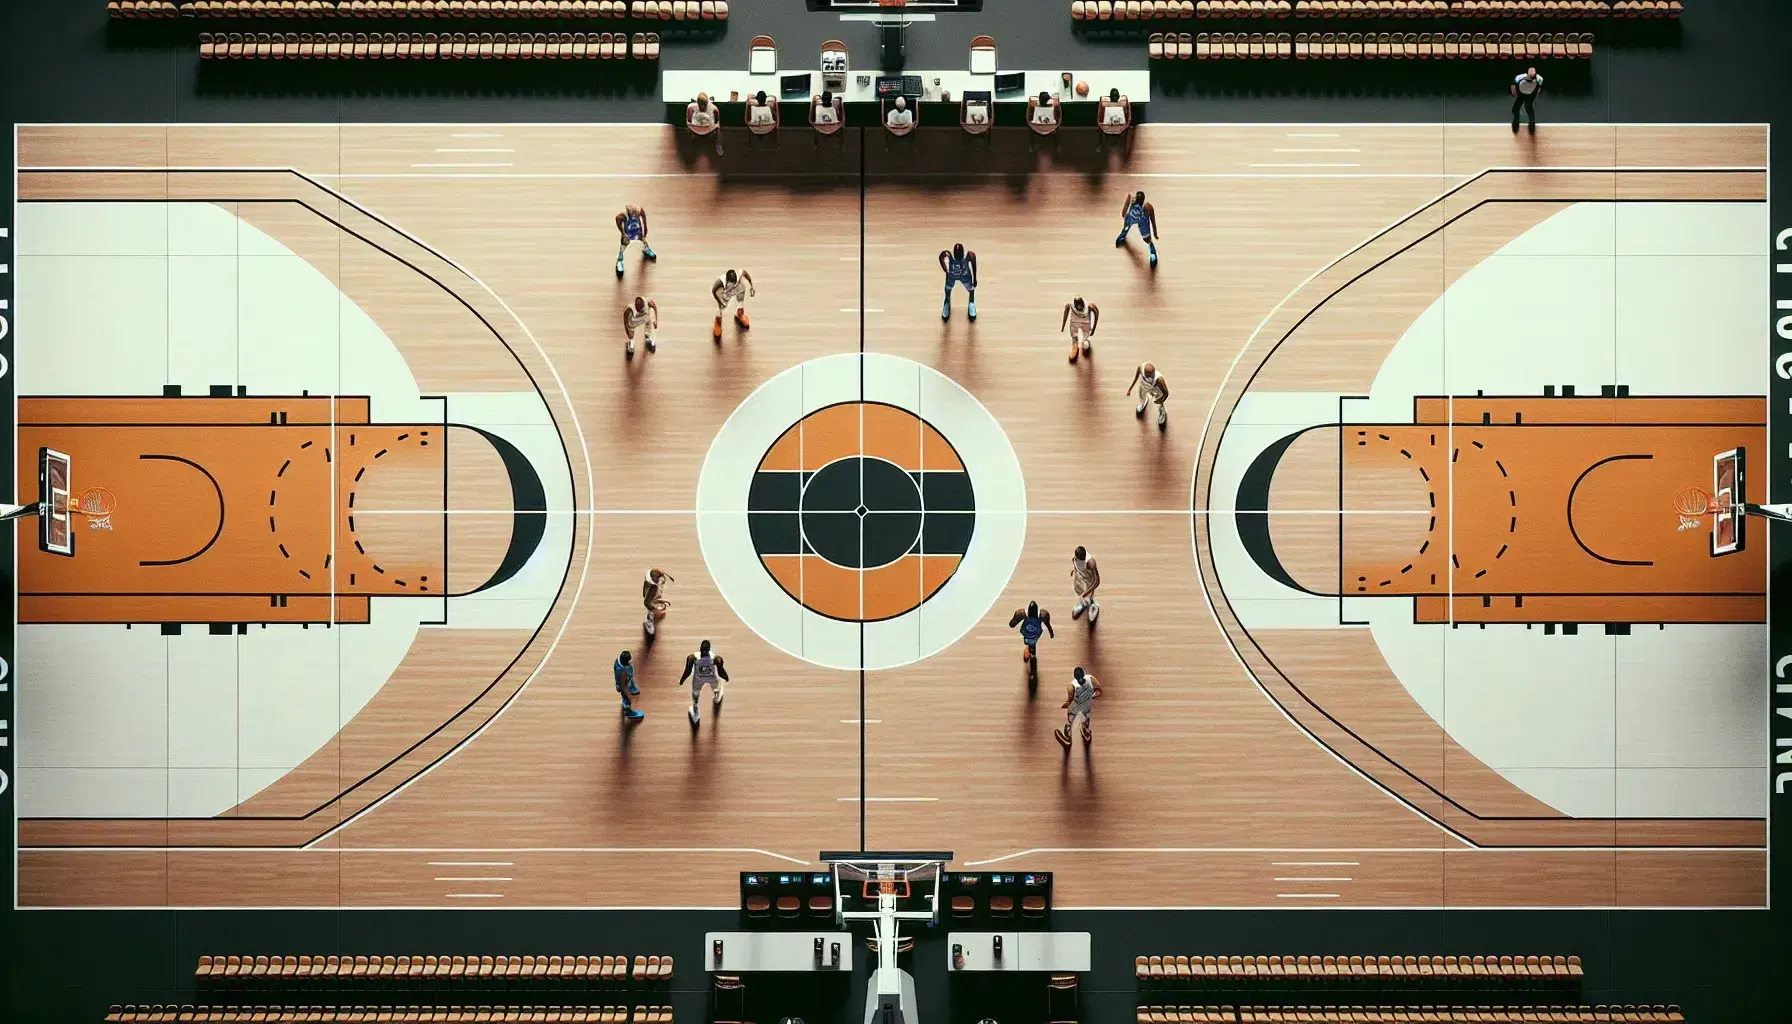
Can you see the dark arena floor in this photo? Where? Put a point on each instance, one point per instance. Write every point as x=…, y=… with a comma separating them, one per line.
x=1347, y=595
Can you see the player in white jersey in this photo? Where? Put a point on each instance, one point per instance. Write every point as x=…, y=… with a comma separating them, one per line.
x=1081, y=317
x=1084, y=578
x=703, y=669
x=734, y=286
x=653, y=597
x=641, y=316
x=1152, y=388
x=1080, y=703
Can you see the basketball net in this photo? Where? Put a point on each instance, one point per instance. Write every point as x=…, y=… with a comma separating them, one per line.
x=97, y=504
x=1693, y=503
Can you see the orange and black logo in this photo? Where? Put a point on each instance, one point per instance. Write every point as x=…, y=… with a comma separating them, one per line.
x=861, y=511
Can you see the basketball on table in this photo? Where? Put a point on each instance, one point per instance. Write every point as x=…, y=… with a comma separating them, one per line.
x=1082, y=88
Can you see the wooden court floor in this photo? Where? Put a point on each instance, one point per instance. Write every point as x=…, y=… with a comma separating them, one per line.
x=1200, y=788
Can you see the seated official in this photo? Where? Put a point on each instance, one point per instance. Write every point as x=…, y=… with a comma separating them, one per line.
x=702, y=116
x=1113, y=113
x=762, y=113
x=827, y=113
x=1044, y=113
x=900, y=118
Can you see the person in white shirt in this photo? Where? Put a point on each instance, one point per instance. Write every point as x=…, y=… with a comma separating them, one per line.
x=1113, y=112
x=825, y=112
x=762, y=113
x=900, y=119
x=1079, y=703
x=1042, y=113
x=640, y=317
x=1524, y=96
x=703, y=117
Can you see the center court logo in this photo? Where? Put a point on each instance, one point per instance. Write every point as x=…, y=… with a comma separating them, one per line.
x=861, y=511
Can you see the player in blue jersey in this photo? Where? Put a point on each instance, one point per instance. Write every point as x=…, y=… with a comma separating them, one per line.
x=624, y=669
x=631, y=223
x=960, y=265
x=1139, y=214
x=1034, y=622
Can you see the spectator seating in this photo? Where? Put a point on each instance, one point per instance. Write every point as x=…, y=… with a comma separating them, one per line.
x=639, y=10
x=388, y=1014
x=1166, y=10
x=1602, y=1014
x=1376, y=972
x=1158, y=10
x=477, y=972
x=1356, y=45
x=428, y=46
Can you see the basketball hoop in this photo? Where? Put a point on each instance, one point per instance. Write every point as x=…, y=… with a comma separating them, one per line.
x=97, y=504
x=1692, y=503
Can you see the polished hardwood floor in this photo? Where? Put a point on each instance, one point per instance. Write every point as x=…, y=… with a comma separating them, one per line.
x=1197, y=790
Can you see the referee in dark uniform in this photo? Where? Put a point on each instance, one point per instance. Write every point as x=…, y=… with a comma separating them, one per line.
x=1524, y=96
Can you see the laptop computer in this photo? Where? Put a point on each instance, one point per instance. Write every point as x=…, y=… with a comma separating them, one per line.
x=1011, y=82
x=794, y=85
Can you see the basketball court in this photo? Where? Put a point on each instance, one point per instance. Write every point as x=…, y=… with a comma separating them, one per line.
x=1432, y=592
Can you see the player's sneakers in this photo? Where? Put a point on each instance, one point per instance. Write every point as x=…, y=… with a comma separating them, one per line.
x=1163, y=417
x=1154, y=259
x=619, y=265
x=1062, y=736
x=1076, y=610
x=629, y=349
x=633, y=690
x=647, y=252
x=716, y=701
x=1074, y=351
x=651, y=344
x=649, y=624
x=740, y=317
x=716, y=330
x=1086, y=345
x=970, y=309
x=1088, y=734
x=692, y=714
x=1140, y=411
x=1026, y=654
x=1094, y=610
x=631, y=714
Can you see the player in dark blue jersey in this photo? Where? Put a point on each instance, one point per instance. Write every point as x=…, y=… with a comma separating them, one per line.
x=960, y=265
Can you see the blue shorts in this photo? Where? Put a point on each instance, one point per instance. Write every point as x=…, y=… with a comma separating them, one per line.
x=1030, y=632
x=632, y=231
x=950, y=281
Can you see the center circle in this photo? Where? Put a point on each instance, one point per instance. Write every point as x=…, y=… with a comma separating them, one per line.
x=861, y=512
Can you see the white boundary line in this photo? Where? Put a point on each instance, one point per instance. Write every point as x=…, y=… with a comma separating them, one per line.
x=313, y=849
x=341, y=125
x=590, y=483
x=1043, y=850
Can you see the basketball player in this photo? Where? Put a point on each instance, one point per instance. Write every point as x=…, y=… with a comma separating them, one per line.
x=1033, y=622
x=703, y=669
x=960, y=266
x=625, y=685
x=631, y=224
x=1138, y=213
x=1081, y=319
x=1152, y=388
x=734, y=286
x=653, y=597
x=1084, y=688
x=642, y=315
x=1084, y=578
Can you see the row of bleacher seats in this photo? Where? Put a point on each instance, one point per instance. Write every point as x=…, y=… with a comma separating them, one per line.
x=389, y=1015
x=428, y=45
x=1332, y=45
x=334, y=971
x=640, y=10
x=1601, y=1014
x=1513, y=971
x=1155, y=10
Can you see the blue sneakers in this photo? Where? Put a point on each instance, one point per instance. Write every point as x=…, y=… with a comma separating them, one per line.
x=971, y=308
